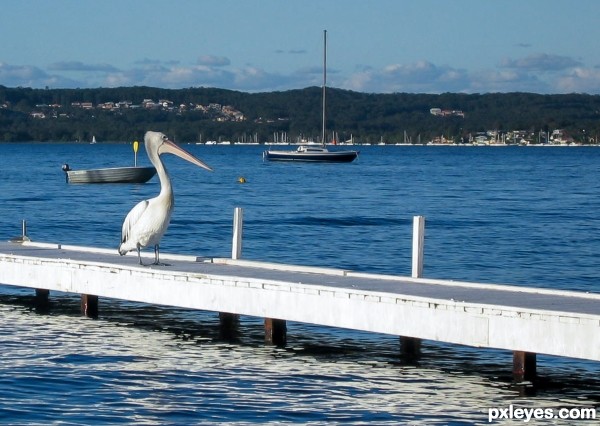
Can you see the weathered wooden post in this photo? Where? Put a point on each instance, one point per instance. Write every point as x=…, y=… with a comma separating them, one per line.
x=410, y=347
x=524, y=366
x=229, y=322
x=89, y=305
x=41, y=298
x=275, y=331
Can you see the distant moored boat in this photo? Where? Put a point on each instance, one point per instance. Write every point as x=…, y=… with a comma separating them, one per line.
x=309, y=153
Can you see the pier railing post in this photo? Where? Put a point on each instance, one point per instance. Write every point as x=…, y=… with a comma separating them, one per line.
x=23, y=238
x=418, y=245
x=410, y=347
x=238, y=223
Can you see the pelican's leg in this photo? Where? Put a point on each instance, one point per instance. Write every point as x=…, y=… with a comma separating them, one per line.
x=156, y=256
x=156, y=253
x=139, y=254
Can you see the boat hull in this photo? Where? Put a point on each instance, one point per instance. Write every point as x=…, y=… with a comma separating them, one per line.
x=112, y=175
x=314, y=157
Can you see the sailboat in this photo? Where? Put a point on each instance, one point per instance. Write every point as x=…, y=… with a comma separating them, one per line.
x=314, y=153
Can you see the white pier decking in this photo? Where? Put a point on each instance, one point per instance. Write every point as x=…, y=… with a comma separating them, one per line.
x=531, y=320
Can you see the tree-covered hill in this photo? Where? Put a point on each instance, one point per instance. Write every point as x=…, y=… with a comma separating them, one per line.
x=201, y=114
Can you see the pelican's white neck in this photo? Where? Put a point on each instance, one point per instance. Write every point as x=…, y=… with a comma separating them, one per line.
x=165, y=182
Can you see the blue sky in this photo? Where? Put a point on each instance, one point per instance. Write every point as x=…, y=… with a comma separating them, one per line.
x=377, y=46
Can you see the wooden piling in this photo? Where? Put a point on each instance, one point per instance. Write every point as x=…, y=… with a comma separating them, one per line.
x=275, y=332
x=524, y=366
x=41, y=295
x=410, y=348
x=41, y=300
x=89, y=305
x=228, y=325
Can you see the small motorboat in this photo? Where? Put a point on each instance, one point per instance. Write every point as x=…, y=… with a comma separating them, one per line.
x=110, y=175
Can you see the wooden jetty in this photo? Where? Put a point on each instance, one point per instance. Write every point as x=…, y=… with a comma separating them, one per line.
x=524, y=320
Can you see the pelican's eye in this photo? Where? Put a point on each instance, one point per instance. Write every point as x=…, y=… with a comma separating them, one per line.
x=164, y=137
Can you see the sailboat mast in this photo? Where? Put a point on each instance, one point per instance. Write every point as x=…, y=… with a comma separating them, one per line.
x=324, y=81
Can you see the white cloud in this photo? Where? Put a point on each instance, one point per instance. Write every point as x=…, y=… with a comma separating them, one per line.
x=540, y=62
x=580, y=80
x=423, y=76
x=30, y=76
x=214, y=61
x=506, y=81
x=80, y=66
x=420, y=76
x=21, y=72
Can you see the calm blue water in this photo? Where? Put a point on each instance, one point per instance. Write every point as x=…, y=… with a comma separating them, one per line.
x=524, y=216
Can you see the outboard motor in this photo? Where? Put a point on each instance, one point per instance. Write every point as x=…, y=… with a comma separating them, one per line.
x=66, y=168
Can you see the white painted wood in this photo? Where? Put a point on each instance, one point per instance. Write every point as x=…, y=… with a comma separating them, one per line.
x=238, y=223
x=563, y=324
x=418, y=246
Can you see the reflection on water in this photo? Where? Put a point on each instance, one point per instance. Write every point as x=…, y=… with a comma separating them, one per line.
x=149, y=364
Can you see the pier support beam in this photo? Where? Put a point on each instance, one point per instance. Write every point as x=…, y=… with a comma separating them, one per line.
x=410, y=348
x=524, y=366
x=41, y=300
x=89, y=305
x=41, y=296
x=229, y=324
x=275, y=332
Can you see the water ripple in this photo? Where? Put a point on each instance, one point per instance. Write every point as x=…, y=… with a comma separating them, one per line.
x=522, y=216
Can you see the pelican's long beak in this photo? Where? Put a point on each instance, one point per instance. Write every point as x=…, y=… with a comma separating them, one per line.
x=169, y=147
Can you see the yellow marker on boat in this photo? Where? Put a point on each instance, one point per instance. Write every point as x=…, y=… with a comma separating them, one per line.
x=136, y=145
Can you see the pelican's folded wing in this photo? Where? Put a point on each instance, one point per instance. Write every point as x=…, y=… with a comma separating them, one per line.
x=132, y=217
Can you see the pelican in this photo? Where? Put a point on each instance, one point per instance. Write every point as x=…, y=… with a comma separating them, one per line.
x=147, y=222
